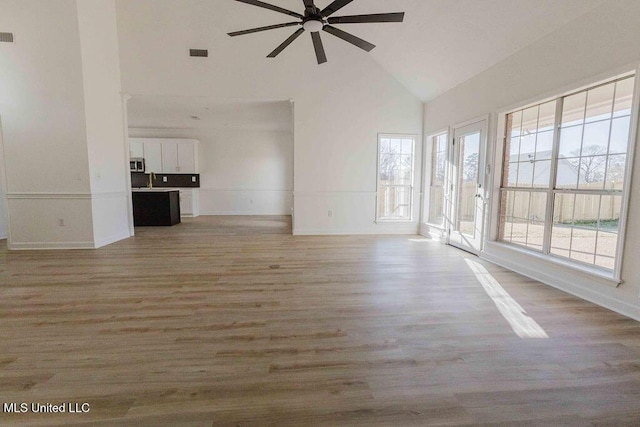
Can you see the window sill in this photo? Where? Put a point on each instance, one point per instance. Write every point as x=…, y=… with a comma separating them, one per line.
x=550, y=265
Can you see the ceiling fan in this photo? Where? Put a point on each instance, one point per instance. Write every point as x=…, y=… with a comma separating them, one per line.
x=315, y=20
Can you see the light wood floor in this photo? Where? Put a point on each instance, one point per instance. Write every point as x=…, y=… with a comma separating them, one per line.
x=234, y=322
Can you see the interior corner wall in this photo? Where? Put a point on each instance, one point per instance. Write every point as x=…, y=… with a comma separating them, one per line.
x=601, y=43
x=107, y=149
x=43, y=119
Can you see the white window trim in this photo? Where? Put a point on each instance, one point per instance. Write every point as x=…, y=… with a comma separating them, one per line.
x=613, y=277
x=378, y=220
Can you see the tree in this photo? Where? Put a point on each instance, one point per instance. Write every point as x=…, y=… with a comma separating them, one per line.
x=470, y=168
x=591, y=164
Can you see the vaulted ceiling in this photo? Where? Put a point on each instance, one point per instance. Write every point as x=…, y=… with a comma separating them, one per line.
x=441, y=43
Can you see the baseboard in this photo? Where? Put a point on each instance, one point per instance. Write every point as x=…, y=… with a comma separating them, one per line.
x=540, y=275
x=112, y=239
x=368, y=232
x=238, y=213
x=24, y=246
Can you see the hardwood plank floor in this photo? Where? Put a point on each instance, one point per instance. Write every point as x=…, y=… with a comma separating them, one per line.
x=228, y=321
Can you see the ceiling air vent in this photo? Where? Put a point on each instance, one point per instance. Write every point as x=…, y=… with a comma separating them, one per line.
x=200, y=53
x=6, y=37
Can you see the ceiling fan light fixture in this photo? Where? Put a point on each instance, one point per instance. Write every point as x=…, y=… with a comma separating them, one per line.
x=313, y=25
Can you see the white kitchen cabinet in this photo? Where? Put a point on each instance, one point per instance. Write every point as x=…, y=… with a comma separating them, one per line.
x=166, y=155
x=170, y=157
x=136, y=149
x=189, y=202
x=179, y=156
x=187, y=157
x=153, y=156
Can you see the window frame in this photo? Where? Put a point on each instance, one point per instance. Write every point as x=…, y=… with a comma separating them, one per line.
x=411, y=186
x=613, y=275
x=428, y=172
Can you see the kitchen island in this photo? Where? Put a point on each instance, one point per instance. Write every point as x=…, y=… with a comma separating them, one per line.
x=156, y=206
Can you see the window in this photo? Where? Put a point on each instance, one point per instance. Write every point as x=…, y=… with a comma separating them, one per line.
x=438, y=174
x=564, y=171
x=395, y=177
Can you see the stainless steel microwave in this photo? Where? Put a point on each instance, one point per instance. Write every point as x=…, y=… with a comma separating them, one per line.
x=136, y=164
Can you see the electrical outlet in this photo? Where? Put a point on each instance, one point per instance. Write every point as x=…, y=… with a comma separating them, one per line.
x=193, y=179
x=164, y=179
x=330, y=214
x=61, y=222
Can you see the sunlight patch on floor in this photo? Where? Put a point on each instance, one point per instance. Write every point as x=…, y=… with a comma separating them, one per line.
x=523, y=325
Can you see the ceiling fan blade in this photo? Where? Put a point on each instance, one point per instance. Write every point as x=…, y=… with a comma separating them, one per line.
x=363, y=19
x=308, y=4
x=334, y=7
x=317, y=44
x=256, y=30
x=356, y=41
x=271, y=7
x=286, y=43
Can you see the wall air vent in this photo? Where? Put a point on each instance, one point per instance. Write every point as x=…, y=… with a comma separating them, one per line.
x=6, y=37
x=200, y=53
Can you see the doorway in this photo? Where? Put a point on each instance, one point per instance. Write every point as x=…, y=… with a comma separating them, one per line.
x=467, y=202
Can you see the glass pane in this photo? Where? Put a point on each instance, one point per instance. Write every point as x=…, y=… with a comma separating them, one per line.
x=570, y=141
x=535, y=229
x=567, y=174
x=596, y=138
x=436, y=205
x=586, y=211
x=394, y=202
x=600, y=103
x=606, y=249
x=562, y=221
x=520, y=214
x=538, y=206
x=610, y=207
x=511, y=175
x=525, y=174
x=470, y=148
x=535, y=235
x=615, y=172
x=514, y=122
x=592, y=170
x=407, y=146
x=442, y=143
x=542, y=174
x=544, y=145
x=530, y=120
x=573, y=109
x=583, y=245
x=384, y=145
x=513, y=149
x=608, y=229
x=527, y=147
x=624, y=97
x=547, y=116
x=506, y=211
x=619, y=135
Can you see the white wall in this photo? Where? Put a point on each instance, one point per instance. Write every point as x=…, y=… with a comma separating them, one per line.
x=242, y=172
x=340, y=107
x=107, y=149
x=44, y=133
x=597, y=45
x=52, y=103
x=4, y=226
